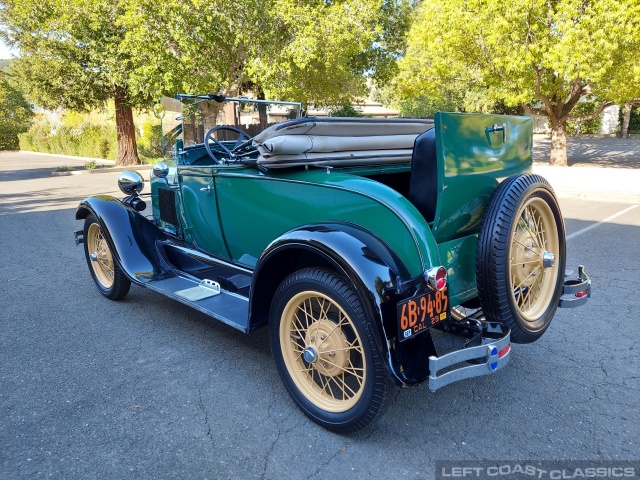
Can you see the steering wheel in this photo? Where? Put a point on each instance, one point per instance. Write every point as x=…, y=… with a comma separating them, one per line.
x=232, y=154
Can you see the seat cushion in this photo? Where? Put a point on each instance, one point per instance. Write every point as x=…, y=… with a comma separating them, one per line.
x=423, y=187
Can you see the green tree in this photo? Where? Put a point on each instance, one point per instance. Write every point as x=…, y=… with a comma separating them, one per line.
x=313, y=51
x=72, y=56
x=80, y=53
x=540, y=54
x=15, y=114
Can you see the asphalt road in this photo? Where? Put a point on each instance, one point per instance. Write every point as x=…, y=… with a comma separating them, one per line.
x=147, y=388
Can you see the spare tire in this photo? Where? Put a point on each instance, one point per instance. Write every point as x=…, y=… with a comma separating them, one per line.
x=520, y=259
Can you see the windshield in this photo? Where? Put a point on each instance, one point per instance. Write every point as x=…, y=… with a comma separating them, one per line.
x=189, y=117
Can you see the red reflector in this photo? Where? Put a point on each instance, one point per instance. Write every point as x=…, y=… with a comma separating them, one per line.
x=581, y=294
x=504, y=351
x=440, y=283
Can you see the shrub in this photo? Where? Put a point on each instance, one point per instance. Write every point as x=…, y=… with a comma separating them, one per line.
x=150, y=142
x=9, y=131
x=74, y=137
x=588, y=127
x=344, y=111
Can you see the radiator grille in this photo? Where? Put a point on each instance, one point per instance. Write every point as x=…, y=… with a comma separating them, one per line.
x=167, y=202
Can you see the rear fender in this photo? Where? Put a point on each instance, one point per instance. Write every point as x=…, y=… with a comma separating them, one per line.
x=360, y=257
x=131, y=237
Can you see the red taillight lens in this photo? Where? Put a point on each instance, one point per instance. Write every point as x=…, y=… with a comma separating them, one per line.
x=437, y=278
x=581, y=294
x=441, y=279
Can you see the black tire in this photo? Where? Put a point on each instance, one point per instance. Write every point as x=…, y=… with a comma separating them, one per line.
x=105, y=271
x=357, y=391
x=515, y=285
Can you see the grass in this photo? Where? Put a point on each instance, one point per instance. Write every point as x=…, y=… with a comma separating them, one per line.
x=90, y=165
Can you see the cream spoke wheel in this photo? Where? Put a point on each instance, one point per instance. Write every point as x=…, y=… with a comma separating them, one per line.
x=102, y=263
x=326, y=351
x=520, y=257
x=532, y=282
x=322, y=349
x=107, y=273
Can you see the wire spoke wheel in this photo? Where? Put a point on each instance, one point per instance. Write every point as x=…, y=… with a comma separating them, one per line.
x=532, y=282
x=520, y=259
x=324, y=348
x=102, y=263
x=323, y=351
x=106, y=272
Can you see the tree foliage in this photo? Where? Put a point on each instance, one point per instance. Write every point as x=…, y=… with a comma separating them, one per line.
x=15, y=115
x=540, y=54
x=79, y=53
x=312, y=51
x=72, y=56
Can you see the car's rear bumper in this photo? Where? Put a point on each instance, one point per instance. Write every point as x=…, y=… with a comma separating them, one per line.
x=486, y=358
x=576, y=292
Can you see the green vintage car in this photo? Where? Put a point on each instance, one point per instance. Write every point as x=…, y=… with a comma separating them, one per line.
x=356, y=241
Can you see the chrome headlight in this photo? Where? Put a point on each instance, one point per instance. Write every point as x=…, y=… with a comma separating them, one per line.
x=130, y=182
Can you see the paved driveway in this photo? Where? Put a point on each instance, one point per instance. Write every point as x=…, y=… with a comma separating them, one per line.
x=148, y=388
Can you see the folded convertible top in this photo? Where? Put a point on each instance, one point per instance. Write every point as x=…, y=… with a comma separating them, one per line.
x=338, y=141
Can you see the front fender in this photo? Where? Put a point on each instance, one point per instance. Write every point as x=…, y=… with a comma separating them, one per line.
x=359, y=256
x=131, y=237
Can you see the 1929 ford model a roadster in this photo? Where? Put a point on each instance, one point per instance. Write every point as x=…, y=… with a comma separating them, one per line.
x=351, y=238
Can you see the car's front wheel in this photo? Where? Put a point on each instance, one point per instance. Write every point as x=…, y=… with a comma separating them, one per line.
x=324, y=350
x=106, y=273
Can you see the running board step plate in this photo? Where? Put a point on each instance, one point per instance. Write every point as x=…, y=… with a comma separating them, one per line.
x=208, y=298
x=206, y=289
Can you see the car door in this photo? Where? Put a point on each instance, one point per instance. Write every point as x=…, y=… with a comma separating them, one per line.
x=200, y=209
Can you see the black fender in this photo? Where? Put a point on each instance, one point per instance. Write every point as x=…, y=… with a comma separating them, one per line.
x=362, y=258
x=131, y=237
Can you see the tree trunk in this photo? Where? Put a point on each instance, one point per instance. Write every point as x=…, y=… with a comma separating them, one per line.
x=127, y=148
x=262, y=110
x=625, y=120
x=558, y=144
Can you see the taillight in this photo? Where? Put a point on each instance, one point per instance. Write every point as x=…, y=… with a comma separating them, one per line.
x=581, y=294
x=437, y=278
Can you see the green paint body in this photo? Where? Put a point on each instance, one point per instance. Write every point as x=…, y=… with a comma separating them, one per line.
x=234, y=212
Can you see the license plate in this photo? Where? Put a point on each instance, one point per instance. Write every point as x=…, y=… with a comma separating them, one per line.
x=421, y=312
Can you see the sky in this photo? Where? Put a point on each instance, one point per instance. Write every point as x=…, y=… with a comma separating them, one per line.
x=6, y=52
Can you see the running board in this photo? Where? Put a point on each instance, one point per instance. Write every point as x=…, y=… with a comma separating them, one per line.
x=208, y=298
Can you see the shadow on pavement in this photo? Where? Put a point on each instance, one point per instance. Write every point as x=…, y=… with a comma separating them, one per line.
x=593, y=151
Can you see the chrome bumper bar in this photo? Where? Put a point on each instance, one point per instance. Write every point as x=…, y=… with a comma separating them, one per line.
x=578, y=291
x=488, y=358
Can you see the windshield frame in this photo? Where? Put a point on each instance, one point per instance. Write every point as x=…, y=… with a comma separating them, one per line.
x=183, y=126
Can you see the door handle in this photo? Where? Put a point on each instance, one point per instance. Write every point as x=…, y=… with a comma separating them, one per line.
x=208, y=189
x=497, y=128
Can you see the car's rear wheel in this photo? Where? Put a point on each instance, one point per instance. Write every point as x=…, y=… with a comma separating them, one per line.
x=106, y=273
x=324, y=350
x=521, y=257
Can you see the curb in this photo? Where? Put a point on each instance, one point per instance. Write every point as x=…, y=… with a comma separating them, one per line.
x=57, y=155
x=100, y=170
